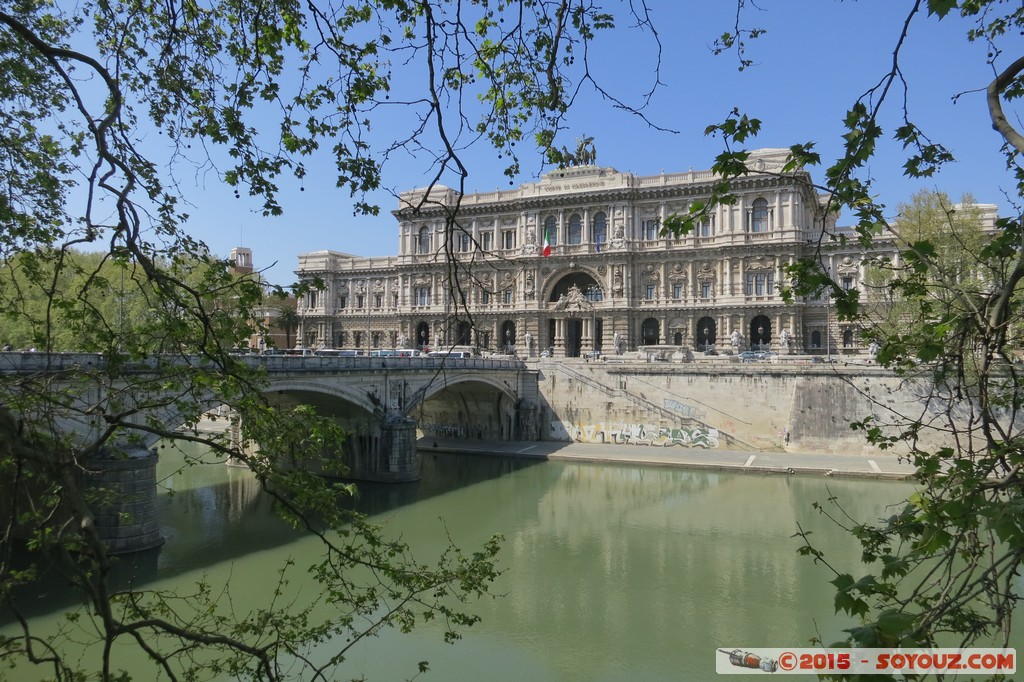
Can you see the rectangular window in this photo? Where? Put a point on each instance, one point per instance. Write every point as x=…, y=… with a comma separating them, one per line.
x=342, y=302
x=485, y=297
x=705, y=289
x=677, y=290
x=359, y=301
x=650, y=292
x=422, y=295
x=847, y=283
x=508, y=238
x=761, y=284
x=508, y=296
x=378, y=301
x=464, y=242
x=706, y=227
x=485, y=241
x=650, y=229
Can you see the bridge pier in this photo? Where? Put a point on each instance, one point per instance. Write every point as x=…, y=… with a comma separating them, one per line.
x=386, y=452
x=125, y=516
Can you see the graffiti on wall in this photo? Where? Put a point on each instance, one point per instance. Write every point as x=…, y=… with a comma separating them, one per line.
x=683, y=409
x=446, y=430
x=642, y=434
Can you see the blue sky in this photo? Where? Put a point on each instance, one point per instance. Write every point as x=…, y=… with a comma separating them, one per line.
x=816, y=58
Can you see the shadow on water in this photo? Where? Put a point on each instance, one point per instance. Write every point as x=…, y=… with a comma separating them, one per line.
x=219, y=514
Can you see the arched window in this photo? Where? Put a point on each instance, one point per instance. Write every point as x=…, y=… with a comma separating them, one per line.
x=551, y=230
x=760, y=217
x=575, y=235
x=423, y=240
x=600, y=228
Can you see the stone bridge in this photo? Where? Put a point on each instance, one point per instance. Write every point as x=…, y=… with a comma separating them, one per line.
x=495, y=399
x=384, y=404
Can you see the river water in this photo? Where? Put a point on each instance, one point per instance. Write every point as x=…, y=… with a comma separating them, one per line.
x=611, y=572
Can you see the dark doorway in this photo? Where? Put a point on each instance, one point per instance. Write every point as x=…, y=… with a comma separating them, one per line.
x=573, y=338
x=464, y=337
x=706, y=333
x=649, y=332
x=508, y=336
x=422, y=335
x=598, y=334
x=761, y=333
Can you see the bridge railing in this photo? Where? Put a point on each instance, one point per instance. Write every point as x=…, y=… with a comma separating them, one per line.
x=33, y=362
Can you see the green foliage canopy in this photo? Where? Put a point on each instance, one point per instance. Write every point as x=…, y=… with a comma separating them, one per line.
x=95, y=255
x=944, y=302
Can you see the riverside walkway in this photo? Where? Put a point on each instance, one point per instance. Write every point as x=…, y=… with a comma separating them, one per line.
x=873, y=465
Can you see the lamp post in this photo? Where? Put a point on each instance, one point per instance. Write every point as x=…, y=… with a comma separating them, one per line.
x=423, y=339
x=760, y=338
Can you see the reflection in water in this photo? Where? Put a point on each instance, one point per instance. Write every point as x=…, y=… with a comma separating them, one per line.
x=611, y=572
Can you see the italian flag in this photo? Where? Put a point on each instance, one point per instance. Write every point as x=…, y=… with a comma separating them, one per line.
x=547, y=245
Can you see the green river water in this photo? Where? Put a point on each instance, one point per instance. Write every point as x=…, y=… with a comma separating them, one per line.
x=612, y=572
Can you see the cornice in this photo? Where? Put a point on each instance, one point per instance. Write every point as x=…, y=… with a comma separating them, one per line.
x=611, y=195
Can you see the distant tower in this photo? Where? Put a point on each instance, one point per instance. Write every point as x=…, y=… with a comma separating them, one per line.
x=241, y=260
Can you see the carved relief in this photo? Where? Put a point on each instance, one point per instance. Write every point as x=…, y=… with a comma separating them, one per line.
x=847, y=266
x=759, y=263
x=617, y=280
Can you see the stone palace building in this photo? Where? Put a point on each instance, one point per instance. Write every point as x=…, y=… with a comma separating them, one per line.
x=611, y=281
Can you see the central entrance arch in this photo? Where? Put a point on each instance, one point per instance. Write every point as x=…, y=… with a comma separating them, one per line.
x=574, y=325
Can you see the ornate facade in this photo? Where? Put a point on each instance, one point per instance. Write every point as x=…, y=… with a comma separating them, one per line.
x=611, y=280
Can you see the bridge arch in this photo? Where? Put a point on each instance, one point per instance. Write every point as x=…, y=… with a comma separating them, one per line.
x=473, y=407
x=446, y=383
x=354, y=394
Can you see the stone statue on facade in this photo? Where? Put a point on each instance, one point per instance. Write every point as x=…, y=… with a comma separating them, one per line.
x=585, y=154
x=528, y=341
x=617, y=343
x=784, y=341
x=736, y=339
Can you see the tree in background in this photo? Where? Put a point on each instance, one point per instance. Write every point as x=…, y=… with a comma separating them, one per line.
x=951, y=236
x=249, y=91
x=944, y=569
x=287, y=321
